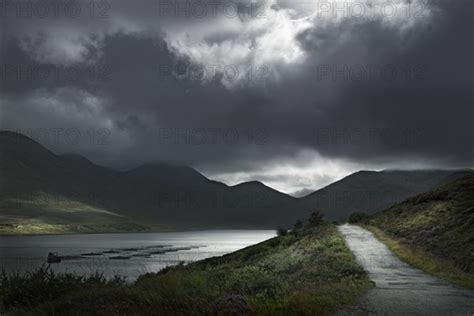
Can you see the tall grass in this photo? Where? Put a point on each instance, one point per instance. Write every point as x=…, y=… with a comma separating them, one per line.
x=43, y=284
x=424, y=260
x=310, y=271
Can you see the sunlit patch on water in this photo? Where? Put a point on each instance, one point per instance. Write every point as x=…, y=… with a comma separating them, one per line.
x=128, y=255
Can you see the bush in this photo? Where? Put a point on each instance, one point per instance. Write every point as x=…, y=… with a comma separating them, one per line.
x=298, y=225
x=44, y=285
x=281, y=231
x=252, y=280
x=358, y=218
x=316, y=218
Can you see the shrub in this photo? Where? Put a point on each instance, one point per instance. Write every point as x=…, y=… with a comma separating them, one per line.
x=358, y=218
x=316, y=218
x=281, y=231
x=44, y=285
x=252, y=280
x=298, y=225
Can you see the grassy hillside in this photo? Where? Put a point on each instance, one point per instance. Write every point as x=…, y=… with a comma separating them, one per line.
x=371, y=191
x=310, y=271
x=434, y=230
x=45, y=213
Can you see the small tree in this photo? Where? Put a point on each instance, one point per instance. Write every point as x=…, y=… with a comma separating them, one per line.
x=316, y=218
x=298, y=225
x=281, y=231
x=358, y=218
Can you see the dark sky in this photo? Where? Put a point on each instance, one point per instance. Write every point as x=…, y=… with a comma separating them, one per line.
x=292, y=93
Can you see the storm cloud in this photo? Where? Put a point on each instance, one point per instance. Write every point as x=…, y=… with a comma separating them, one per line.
x=294, y=94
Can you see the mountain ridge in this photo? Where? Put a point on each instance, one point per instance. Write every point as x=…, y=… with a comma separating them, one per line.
x=152, y=193
x=181, y=197
x=371, y=191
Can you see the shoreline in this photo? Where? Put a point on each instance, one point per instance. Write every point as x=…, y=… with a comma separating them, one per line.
x=151, y=231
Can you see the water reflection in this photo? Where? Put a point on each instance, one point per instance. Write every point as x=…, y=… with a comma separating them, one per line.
x=126, y=254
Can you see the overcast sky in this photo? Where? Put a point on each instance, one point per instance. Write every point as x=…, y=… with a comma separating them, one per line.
x=295, y=94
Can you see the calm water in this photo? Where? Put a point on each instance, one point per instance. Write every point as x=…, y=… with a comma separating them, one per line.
x=126, y=254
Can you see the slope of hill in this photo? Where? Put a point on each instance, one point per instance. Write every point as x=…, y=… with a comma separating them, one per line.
x=41, y=187
x=177, y=194
x=440, y=222
x=309, y=271
x=175, y=197
x=41, y=192
x=371, y=191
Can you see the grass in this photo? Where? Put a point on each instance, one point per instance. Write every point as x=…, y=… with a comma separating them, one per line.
x=309, y=271
x=432, y=231
x=424, y=260
x=38, y=227
x=44, y=213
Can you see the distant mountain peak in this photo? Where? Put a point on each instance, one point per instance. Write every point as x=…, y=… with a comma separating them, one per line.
x=257, y=185
x=253, y=183
x=302, y=193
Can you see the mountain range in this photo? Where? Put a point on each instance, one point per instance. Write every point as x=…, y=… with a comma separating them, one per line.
x=39, y=186
x=371, y=191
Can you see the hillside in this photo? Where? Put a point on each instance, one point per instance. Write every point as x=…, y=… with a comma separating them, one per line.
x=309, y=271
x=41, y=188
x=439, y=222
x=41, y=192
x=371, y=191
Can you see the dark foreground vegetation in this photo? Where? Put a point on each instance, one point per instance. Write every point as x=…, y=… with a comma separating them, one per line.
x=308, y=271
x=433, y=231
